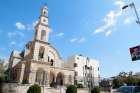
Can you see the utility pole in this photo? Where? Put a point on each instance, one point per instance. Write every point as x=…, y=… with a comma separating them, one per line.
x=132, y=5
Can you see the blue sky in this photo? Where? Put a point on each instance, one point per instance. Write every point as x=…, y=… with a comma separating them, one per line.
x=94, y=28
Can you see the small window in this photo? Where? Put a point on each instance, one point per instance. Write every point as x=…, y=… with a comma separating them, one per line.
x=44, y=20
x=75, y=64
x=91, y=67
x=77, y=57
x=44, y=13
x=76, y=73
x=48, y=59
x=75, y=82
x=85, y=66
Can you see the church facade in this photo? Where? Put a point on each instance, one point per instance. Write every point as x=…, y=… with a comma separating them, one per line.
x=40, y=63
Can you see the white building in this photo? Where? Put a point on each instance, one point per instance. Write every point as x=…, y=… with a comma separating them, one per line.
x=86, y=70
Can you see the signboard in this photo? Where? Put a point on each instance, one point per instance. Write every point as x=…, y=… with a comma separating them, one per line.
x=135, y=53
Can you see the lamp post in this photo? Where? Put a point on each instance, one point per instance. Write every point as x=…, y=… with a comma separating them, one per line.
x=132, y=5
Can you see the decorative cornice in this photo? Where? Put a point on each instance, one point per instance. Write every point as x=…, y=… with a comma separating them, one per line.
x=40, y=41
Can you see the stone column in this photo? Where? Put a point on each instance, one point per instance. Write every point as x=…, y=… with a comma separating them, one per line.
x=45, y=54
x=22, y=73
x=32, y=76
x=36, y=51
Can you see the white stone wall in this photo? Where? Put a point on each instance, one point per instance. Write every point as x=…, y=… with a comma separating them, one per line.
x=81, y=61
x=20, y=88
x=15, y=88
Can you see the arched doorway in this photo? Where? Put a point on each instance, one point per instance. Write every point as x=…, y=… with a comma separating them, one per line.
x=60, y=79
x=52, y=79
x=41, y=77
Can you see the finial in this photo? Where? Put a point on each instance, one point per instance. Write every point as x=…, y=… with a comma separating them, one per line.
x=45, y=6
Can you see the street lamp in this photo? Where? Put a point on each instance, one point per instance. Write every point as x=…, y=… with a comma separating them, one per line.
x=132, y=5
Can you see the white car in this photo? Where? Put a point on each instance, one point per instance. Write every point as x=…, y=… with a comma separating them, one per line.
x=128, y=89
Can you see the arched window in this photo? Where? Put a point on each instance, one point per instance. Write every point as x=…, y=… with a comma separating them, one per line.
x=52, y=79
x=43, y=35
x=51, y=62
x=41, y=52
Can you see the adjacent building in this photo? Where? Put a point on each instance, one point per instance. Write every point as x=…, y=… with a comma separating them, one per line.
x=86, y=70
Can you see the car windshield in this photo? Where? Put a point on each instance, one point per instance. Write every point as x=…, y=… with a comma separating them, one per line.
x=125, y=89
x=137, y=89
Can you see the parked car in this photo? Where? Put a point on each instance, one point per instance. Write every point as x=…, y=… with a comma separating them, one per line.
x=128, y=89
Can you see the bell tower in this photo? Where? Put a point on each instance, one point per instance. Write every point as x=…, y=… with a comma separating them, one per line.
x=42, y=28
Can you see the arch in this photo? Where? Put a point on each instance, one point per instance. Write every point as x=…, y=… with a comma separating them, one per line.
x=41, y=52
x=41, y=77
x=43, y=35
x=51, y=55
x=54, y=52
x=60, y=79
x=52, y=79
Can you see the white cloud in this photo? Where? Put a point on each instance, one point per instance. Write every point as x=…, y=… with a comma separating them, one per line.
x=51, y=30
x=108, y=33
x=110, y=20
x=120, y=3
x=81, y=40
x=20, y=26
x=73, y=40
x=78, y=40
x=2, y=48
x=11, y=34
x=128, y=20
x=35, y=23
x=15, y=33
x=13, y=43
x=60, y=34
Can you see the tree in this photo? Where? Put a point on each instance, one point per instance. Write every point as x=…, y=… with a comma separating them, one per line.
x=117, y=83
x=138, y=82
x=71, y=89
x=34, y=89
x=95, y=90
x=131, y=80
x=2, y=76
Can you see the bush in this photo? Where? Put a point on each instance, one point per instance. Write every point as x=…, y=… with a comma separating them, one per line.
x=80, y=86
x=95, y=90
x=71, y=89
x=24, y=81
x=34, y=89
x=1, y=82
x=138, y=83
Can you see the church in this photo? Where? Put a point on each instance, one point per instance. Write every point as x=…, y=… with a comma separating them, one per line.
x=40, y=63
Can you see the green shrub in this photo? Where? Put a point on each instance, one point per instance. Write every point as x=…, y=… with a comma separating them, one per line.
x=24, y=81
x=1, y=82
x=71, y=89
x=80, y=86
x=95, y=90
x=34, y=89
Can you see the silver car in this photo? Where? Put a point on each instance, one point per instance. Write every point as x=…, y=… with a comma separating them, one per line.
x=128, y=89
